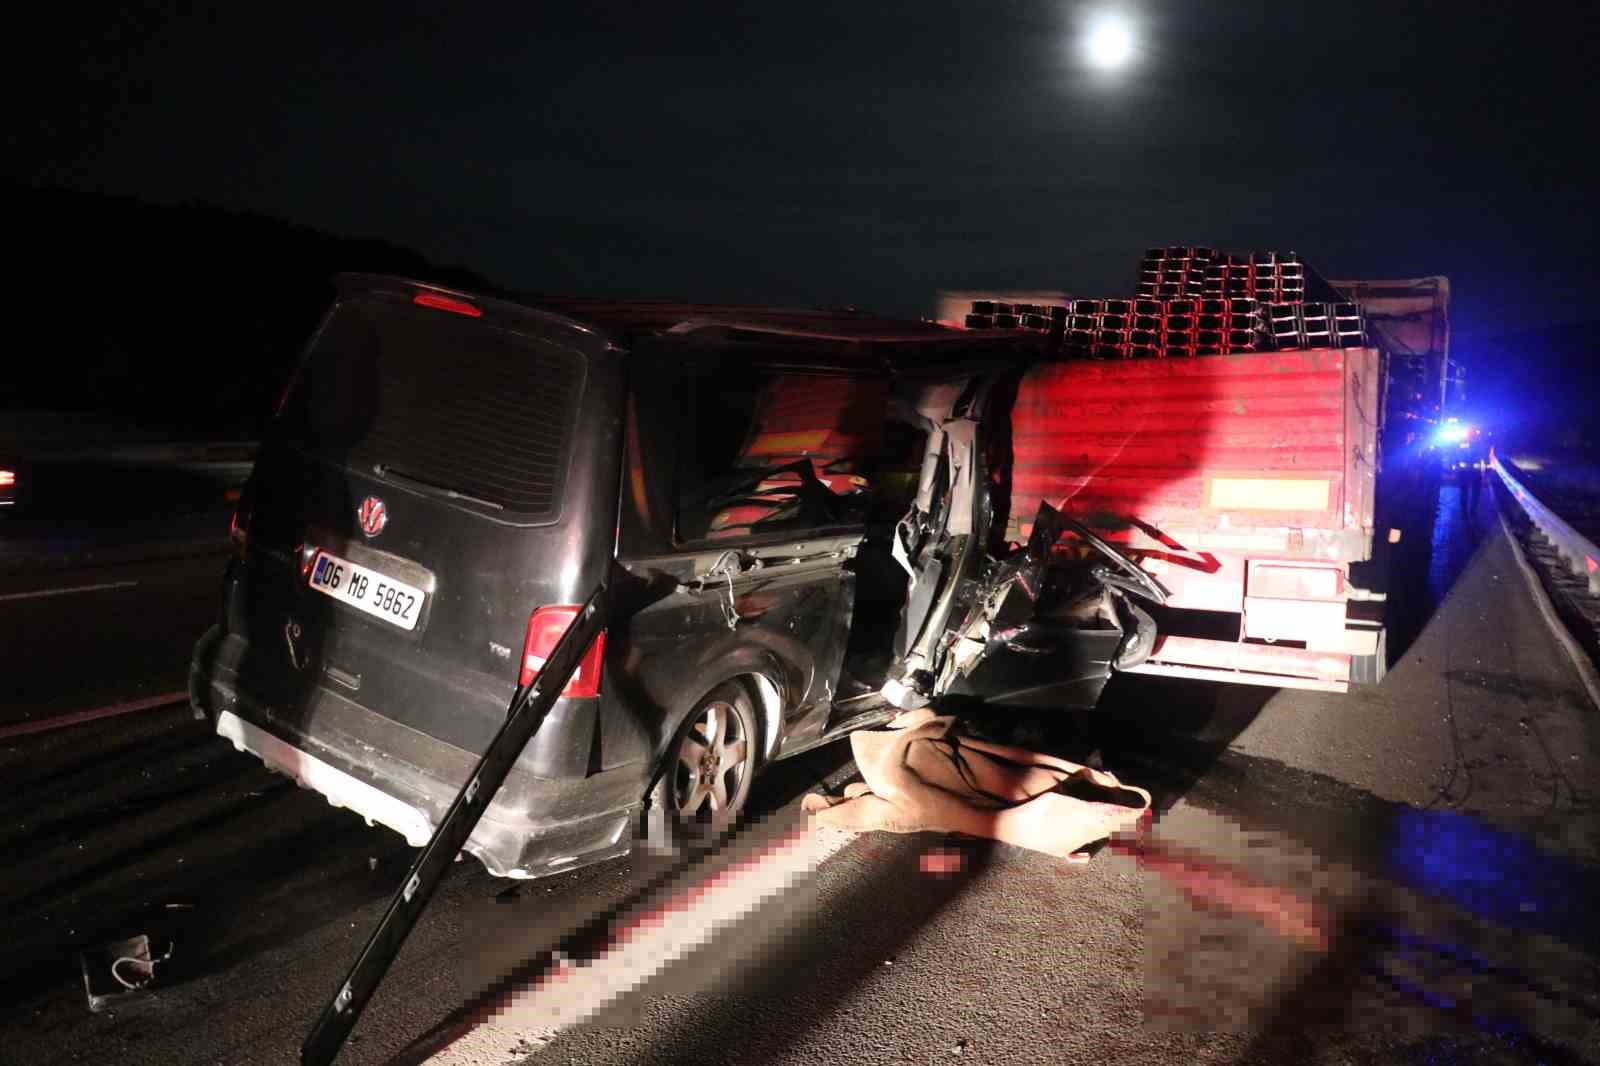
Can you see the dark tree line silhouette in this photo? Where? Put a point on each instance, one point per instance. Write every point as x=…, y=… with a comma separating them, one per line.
x=186, y=317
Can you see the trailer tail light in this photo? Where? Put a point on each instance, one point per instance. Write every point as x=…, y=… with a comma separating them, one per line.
x=545, y=627
x=1285, y=582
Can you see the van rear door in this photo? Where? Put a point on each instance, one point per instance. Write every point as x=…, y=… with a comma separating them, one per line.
x=422, y=490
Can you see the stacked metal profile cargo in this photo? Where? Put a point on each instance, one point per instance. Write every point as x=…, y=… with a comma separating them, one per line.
x=1316, y=325
x=1193, y=301
x=994, y=314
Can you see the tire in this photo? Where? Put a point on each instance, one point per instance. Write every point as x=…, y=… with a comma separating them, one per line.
x=710, y=764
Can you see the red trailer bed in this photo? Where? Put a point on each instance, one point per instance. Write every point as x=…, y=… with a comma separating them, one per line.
x=1244, y=483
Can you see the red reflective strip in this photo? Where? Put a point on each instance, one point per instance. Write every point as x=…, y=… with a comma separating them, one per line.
x=1589, y=561
x=445, y=303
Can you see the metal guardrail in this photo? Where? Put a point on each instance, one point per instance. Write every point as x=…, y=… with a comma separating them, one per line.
x=1577, y=551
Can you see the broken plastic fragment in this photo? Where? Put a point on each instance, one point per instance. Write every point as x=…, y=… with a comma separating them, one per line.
x=118, y=970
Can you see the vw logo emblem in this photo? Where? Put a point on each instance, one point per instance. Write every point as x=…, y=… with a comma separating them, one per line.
x=372, y=515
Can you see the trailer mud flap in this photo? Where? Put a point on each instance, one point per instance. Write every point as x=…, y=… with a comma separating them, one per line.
x=530, y=704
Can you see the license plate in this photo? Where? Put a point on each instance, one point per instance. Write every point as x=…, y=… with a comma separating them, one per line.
x=367, y=590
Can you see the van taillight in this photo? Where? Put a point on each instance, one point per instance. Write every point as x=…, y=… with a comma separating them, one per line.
x=239, y=525
x=445, y=303
x=545, y=627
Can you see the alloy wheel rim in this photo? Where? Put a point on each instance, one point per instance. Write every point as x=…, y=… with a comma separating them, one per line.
x=712, y=760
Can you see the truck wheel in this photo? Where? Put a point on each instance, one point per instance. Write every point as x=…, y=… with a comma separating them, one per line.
x=710, y=765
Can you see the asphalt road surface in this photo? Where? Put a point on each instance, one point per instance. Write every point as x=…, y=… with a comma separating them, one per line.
x=109, y=568
x=1441, y=825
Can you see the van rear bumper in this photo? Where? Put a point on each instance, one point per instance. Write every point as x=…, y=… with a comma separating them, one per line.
x=406, y=780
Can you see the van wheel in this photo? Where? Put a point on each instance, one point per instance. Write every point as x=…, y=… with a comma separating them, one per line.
x=710, y=765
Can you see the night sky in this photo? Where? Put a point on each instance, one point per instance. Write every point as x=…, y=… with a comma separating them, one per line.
x=863, y=153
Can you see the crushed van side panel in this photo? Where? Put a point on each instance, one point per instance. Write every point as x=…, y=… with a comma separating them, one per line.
x=1022, y=624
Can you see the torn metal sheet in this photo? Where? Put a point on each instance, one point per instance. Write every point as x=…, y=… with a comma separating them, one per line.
x=1026, y=625
x=1041, y=626
x=936, y=544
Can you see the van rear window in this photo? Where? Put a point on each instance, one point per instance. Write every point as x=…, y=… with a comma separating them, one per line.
x=441, y=399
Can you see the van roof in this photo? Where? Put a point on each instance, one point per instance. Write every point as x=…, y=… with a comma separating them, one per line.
x=844, y=337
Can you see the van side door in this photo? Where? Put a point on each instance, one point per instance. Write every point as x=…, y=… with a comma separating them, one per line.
x=743, y=500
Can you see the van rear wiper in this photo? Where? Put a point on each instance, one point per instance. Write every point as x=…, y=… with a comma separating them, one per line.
x=383, y=470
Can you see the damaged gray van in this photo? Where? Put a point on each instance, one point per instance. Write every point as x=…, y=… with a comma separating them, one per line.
x=798, y=518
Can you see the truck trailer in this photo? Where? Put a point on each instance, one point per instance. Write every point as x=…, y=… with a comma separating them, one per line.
x=1267, y=492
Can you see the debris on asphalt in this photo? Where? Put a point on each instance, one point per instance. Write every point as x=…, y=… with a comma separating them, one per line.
x=118, y=971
